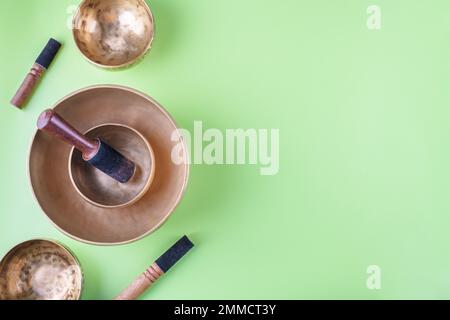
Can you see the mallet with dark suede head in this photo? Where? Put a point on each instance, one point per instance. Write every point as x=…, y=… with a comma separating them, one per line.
x=157, y=269
x=39, y=67
x=94, y=151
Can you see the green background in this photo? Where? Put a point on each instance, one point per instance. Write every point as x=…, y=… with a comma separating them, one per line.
x=364, y=152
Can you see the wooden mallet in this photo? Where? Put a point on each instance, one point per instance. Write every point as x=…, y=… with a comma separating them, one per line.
x=156, y=270
x=94, y=151
x=39, y=67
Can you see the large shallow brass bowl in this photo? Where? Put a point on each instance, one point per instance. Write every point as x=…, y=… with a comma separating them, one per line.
x=76, y=217
x=40, y=270
x=99, y=188
x=113, y=33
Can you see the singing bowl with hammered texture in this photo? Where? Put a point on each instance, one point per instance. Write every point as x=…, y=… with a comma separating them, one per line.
x=113, y=33
x=80, y=219
x=40, y=270
x=99, y=188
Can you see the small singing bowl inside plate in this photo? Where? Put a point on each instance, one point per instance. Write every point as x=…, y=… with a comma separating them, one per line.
x=40, y=270
x=113, y=33
x=100, y=189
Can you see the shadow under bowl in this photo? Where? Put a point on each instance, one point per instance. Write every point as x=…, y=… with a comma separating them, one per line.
x=40, y=270
x=100, y=189
x=113, y=33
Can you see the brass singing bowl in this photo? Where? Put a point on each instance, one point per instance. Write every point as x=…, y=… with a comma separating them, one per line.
x=113, y=33
x=80, y=219
x=40, y=270
x=100, y=189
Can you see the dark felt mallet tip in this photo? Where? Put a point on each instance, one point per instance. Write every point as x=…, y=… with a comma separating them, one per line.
x=174, y=254
x=48, y=53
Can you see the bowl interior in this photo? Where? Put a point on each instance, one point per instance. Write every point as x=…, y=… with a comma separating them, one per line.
x=99, y=188
x=40, y=270
x=113, y=33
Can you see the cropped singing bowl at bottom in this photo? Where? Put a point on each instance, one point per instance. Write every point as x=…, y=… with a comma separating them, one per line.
x=89, y=223
x=102, y=190
x=40, y=270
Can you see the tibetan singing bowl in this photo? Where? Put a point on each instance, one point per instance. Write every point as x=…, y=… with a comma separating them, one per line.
x=40, y=270
x=113, y=33
x=102, y=190
x=82, y=220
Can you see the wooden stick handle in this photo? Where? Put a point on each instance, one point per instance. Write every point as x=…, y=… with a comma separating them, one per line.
x=28, y=85
x=52, y=123
x=141, y=283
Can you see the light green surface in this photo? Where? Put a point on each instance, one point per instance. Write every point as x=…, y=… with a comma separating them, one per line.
x=364, y=153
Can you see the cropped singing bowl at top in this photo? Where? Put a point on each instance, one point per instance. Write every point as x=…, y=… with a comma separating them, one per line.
x=80, y=219
x=113, y=33
x=99, y=188
x=40, y=270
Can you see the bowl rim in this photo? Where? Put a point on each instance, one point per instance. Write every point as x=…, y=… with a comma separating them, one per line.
x=58, y=244
x=126, y=64
x=172, y=208
x=141, y=193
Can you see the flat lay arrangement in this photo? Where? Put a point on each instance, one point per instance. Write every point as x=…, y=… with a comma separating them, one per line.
x=306, y=135
x=111, y=164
